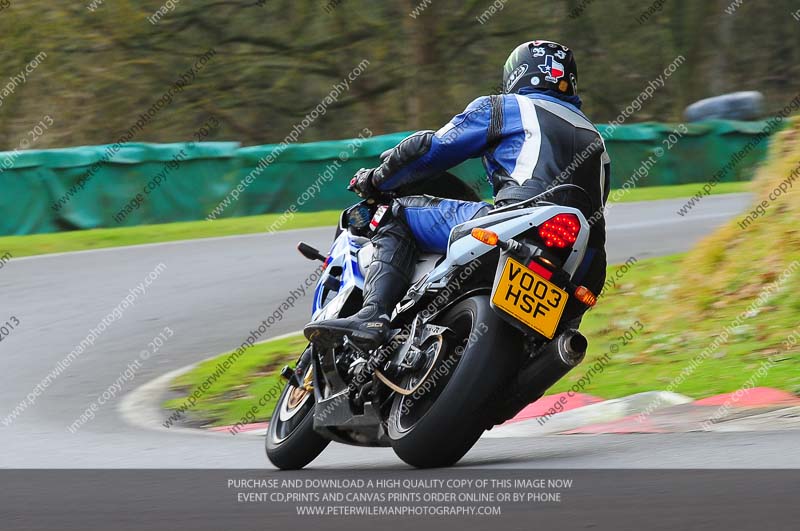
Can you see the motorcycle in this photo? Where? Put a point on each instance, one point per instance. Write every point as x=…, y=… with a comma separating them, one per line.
x=478, y=336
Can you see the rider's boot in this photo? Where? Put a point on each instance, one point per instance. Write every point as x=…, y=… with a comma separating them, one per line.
x=387, y=280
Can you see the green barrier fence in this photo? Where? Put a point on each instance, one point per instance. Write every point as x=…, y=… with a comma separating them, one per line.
x=132, y=184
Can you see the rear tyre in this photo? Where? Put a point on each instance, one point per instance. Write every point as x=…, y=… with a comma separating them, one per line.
x=291, y=441
x=438, y=424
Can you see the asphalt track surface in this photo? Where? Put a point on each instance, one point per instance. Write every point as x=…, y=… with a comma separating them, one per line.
x=211, y=294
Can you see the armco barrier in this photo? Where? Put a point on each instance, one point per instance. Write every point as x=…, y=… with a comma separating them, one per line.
x=105, y=186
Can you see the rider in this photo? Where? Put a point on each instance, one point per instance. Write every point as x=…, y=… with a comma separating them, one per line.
x=531, y=138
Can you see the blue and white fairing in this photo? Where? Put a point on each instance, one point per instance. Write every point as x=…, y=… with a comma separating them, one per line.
x=343, y=256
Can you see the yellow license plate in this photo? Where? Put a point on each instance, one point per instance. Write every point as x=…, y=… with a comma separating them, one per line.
x=530, y=298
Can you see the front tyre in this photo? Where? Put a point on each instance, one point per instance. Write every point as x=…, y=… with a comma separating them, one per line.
x=291, y=441
x=438, y=424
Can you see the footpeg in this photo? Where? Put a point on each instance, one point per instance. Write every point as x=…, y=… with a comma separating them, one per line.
x=291, y=376
x=287, y=372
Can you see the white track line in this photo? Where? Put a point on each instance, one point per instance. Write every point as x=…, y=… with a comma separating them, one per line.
x=266, y=235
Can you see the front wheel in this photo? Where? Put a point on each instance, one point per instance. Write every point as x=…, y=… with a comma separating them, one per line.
x=438, y=424
x=291, y=441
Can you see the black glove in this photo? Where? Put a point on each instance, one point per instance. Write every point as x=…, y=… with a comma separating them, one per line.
x=362, y=185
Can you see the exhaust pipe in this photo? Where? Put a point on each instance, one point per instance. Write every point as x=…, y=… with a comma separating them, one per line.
x=552, y=363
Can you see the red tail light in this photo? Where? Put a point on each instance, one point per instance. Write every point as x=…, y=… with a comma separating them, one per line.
x=560, y=231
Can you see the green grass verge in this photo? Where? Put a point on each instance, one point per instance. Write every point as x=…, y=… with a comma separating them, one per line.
x=650, y=360
x=99, y=238
x=652, y=193
x=254, y=374
x=82, y=240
